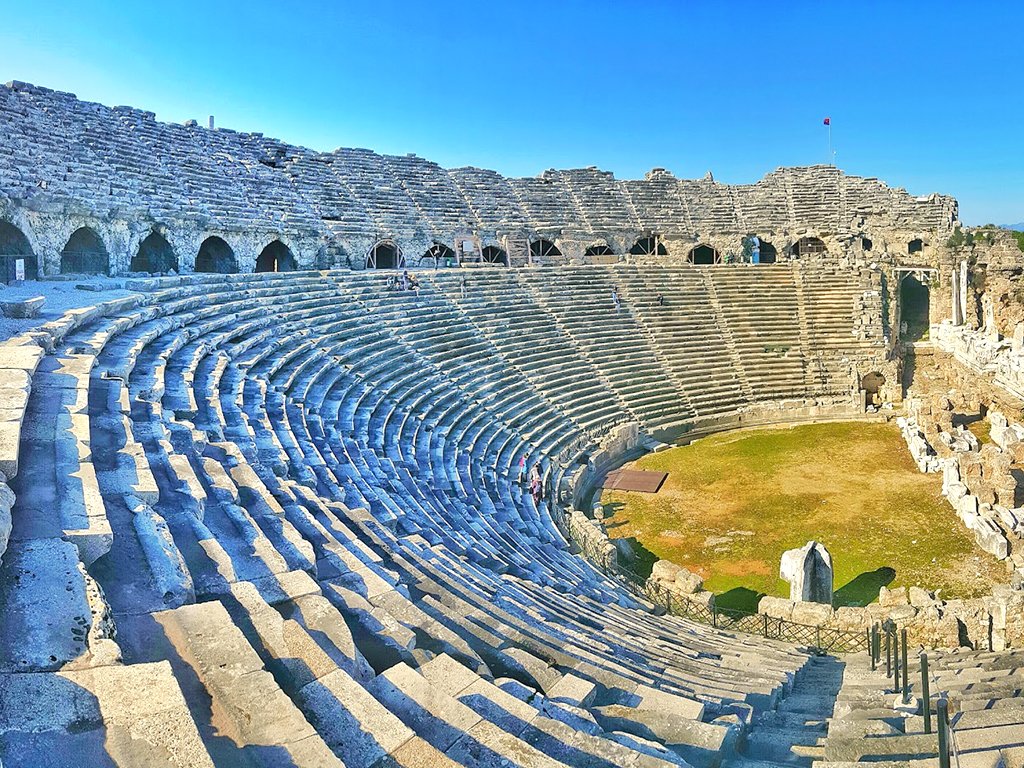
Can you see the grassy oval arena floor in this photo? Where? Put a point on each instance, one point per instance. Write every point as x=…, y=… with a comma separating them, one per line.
x=734, y=502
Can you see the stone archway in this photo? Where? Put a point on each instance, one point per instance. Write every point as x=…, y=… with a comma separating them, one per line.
x=543, y=250
x=915, y=246
x=385, y=254
x=216, y=256
x=276, y=257
x=808, y=246
x=155, y=255
x=648, y=246
x=599, y=249
x=915, y=297
x=492, y=254
x=871, y=384
x=438, y=254
x=703, y=255
x=84, y=254
x=14, y=246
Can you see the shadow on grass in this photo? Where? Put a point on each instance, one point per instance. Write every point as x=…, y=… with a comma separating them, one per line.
x=739, y=599
x=635, y=556
x=863, y=589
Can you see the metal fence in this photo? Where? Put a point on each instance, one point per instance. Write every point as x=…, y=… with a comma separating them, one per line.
x=815, y=638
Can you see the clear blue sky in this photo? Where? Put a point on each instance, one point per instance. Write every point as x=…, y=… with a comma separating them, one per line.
x=924, y=95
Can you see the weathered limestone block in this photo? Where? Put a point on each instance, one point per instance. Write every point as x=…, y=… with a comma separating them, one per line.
x=809, y=573
x=889, y=598
x=28, y=308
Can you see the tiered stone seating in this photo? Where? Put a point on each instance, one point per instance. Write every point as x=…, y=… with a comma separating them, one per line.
x=762, y=328
x=310, y=536
x=873, y=726
x=75, y=157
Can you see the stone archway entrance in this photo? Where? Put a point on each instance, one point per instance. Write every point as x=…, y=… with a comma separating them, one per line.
x=85, y=254
x=871, y=384
x=703, y=254
x=385, y=255
x=915, y=305
x=276, y=257
x=155, y=255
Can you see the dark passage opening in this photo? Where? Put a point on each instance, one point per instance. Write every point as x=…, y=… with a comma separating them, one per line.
x=154, y=255
x=769, y=253
x=704, y=254
x=385, y=255
x=541, y=250
x=807, y=246
x=495, y=255
x=648, y=246
x=915, y=246
x=276, y=257
x=599, y=250
x=85, y=254
x=914, y=298
x=438, y=254
x=216, y=256
x=13, y=246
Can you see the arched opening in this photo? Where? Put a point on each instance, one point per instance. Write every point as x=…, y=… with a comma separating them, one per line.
x=648, y=246
x=439, y=254
x=767, y=253
x=276, y=257
x=866, y=244
x=808, y=246
x=542, y=250
x=216, y=256
x=915, y=246
x=601, y=249
x=155, y=254
x=703, y=254
x=494, y=255
x=14, y=246
x=84, y=254
x=385, y=255
x=872, y=384
x=914, y=306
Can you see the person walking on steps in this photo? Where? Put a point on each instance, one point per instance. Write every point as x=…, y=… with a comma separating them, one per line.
x=615, y=299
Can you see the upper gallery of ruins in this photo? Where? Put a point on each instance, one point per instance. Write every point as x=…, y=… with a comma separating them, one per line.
x=90, y=188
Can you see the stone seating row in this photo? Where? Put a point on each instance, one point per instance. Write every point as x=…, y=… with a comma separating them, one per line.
x=259, y=445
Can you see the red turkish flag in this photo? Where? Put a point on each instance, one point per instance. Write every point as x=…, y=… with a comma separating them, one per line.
x=828, y=121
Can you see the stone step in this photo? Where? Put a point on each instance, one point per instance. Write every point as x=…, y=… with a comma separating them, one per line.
x=131, y=715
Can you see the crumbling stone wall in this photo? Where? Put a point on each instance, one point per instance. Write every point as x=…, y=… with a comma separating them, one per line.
x=124, y=174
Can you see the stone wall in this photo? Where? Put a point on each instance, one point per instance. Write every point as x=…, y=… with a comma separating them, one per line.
x=66, y=164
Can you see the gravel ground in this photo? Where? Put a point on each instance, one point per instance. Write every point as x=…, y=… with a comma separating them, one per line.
x=61, y=295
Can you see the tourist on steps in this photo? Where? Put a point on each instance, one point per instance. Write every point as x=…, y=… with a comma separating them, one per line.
x=615, y=299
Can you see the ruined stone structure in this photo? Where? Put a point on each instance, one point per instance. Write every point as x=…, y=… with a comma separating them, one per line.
x=96, y=189
x=809, y=573
x=275, y=519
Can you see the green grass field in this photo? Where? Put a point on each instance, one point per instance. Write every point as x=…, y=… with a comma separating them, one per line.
x=733, y=503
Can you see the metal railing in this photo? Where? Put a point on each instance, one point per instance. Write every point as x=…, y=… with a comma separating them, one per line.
x=817, y=639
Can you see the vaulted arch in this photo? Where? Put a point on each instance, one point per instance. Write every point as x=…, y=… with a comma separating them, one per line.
x=385, y=254
x=542, y=250
x=276, y=257
x=808, y=246
x=85, y=254
x=155, y=254
x=599, y=249
x=492, y=254
x=648, y=246
x=438, y=254
x=216, y=256
x=14, y=246
x=703, y=254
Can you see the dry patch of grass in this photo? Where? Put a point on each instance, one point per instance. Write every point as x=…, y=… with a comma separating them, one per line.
x=733, y=503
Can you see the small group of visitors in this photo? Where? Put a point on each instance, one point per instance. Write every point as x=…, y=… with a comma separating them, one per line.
x=404, y=282
x=535, y=483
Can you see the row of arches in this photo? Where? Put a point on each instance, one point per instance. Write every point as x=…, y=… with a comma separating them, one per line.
x=85, y=253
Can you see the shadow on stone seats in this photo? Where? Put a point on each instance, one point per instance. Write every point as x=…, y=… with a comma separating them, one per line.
x=863, y=589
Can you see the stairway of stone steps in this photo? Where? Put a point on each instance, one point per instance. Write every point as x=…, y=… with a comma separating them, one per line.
x=793, y=734
x=730, y=343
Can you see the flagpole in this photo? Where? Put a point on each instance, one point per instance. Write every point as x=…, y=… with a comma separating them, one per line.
x=830, y=141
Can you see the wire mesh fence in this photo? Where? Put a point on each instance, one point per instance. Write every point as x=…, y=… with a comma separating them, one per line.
x=817, y=639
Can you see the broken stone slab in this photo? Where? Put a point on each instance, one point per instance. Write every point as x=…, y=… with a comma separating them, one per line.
x=23, y=310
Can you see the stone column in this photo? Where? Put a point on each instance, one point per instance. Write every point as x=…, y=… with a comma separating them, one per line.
x=964, y=279
x=957, y=311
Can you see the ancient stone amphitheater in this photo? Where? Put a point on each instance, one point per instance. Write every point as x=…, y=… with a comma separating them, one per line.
x=270, y=518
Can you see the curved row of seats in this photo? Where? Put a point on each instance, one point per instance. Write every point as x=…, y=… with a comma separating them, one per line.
x=288, y=506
